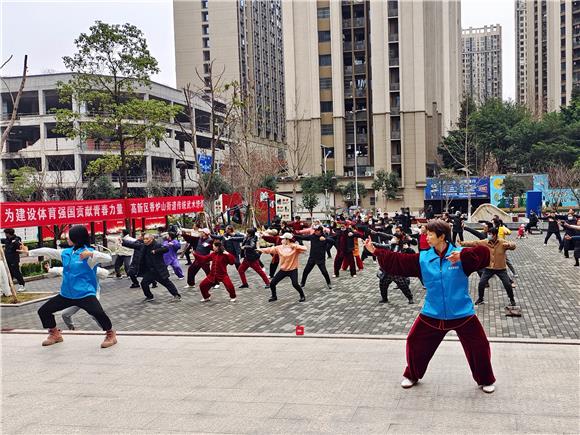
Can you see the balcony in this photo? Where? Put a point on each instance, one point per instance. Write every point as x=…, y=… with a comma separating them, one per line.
x=359, y=93
x=393, y=37
x=395, y=110
x=361, y=138
x=358, y=45
x=355, y=22
x=395, y=86
x=396, y=158
x=115, y=178
x=393, y=11
x=393, y=59
x=395, y=134
x=360, y=116
x=358, y=69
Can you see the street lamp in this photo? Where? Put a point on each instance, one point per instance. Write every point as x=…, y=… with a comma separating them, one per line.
x=182, y=165
x=326, y=155
x=354, y=112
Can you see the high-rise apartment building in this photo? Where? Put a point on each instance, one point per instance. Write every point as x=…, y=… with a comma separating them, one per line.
x=550, y=47
x=380, y=79
x=242, y=39
x=521, y=56
x=482, y=62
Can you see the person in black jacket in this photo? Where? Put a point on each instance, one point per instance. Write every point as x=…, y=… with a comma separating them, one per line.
x=153, y=267
x=553, y=228
x=12, y=245
x=134, y=270
x=398, y=243
x=317, y=256
x=457, y=221
x=533, y=223
x=251, y=258
x=567, y=244
x=231, y=242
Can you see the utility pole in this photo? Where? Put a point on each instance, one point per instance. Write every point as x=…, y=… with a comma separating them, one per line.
x=354, y=112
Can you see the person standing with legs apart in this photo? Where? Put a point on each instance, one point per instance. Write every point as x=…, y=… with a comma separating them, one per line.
x=201, y=243
x=497, y=265
x=317, y=257
x=445, y=270
x=12, y=245
x=134, y=269
x=78, y=288
x=220, y=259
x=232, y=242
x=154, y=269
x=170, y=257
x=124, y=253
x=457, y=226
x=288, y=253
x=251, y=258
x=553, y=228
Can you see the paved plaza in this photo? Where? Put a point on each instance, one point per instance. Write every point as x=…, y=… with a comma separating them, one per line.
x=278, y=385
x=548, y=292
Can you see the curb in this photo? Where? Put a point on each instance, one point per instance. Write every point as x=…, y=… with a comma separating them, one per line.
x=33, y=301
x=281, y=335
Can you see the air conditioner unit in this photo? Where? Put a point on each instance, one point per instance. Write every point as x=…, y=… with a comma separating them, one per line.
x=368, y=174
x=350, y=173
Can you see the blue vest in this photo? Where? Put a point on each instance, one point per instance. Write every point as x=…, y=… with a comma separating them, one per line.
x=447, y=286
x=78, y=279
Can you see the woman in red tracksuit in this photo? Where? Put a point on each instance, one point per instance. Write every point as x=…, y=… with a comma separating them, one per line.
x=345, y=240
x=220, y=259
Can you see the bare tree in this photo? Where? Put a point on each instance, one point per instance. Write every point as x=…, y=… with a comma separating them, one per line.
x=223, y=99
x=15, y=101
x=564, y=180
x=298, y=146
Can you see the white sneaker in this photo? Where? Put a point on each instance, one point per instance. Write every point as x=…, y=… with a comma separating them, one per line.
x=354, y=276
x=335, y=276
x=232, y=299
x=216, y=286
x=407, y=383
x=205, y=300
x=179, y=279
x=488, y=388
x=186, y=286
x=21, y=289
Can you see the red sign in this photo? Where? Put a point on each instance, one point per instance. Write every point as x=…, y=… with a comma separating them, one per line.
x=164, y=205
x=32, y=214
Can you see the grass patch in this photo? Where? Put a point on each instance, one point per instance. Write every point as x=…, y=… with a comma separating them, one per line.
x=24, y=297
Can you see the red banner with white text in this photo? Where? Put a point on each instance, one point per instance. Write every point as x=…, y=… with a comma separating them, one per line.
x=32, y=214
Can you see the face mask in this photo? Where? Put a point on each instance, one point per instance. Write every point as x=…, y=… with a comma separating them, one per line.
x=489, y=237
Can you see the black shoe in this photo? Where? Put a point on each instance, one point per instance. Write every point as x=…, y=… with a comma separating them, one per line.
x=176, y=298
x=188, y=264
x=267, y=286
x=384, y=301
x=411, y=301
x=479, y=301
x=154, y=286
x=273, y=299
x=512, y=303
x=134, y=286
x=302, y=299
x=244, y=286
x=149, y=299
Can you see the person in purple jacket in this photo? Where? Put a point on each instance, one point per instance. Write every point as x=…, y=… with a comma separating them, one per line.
x=170, y=257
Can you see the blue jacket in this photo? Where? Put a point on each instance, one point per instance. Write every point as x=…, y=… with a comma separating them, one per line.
x=447, y=286
x=79, y=280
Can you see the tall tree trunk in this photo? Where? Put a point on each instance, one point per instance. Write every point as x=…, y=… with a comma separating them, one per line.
x=16, y=104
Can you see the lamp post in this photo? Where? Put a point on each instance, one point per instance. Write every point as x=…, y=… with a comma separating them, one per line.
x=354, y=112
x=182, y=165
x=326, y=154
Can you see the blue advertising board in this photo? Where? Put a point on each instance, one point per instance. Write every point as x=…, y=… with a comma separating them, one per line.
x=437, y=189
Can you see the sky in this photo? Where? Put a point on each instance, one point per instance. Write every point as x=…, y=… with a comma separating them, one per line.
x=46, y=29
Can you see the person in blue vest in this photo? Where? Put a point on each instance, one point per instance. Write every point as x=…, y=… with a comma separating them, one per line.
x=444, y=269
x=79, y=287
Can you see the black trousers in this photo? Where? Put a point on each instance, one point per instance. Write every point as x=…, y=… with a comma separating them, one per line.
x=273, y=267
x=328, y=249
x=549, y=234
x=400, y=281
x=14, y=267
x=567, y=246
x=122, y=260
x=149, y=278
x=457, y=233
x=502, y=275
x=293, y=274
x=366, y=254
x=58, y=303
x=310, y=265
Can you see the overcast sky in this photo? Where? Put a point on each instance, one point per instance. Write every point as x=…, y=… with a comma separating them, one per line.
x=46, y=29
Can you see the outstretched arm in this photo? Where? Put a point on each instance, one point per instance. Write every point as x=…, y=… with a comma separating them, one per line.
x=53, y=254
x=395, y=263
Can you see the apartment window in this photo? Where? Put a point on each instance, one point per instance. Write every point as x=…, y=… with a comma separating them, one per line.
x=324, y=36
x=205, y=42
x=204, y=4
x=204, y=17
x=206, y=55
x=205, y=29
x=325, y=83
x=326, y=129
x=324, y=60
x=326, y=106
x=61, y=163
x=323, y=12
x=206, y=68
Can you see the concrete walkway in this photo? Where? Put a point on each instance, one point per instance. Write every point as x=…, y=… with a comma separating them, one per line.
x=166, y=384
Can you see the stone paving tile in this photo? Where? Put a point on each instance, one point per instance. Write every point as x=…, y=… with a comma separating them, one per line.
x=547, y=290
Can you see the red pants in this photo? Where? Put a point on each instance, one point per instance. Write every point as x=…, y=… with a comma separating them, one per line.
x=254, y=265
x=193, y=269
x=209, y=281
x=427, y=333
x=357, y=260
x=344, y=257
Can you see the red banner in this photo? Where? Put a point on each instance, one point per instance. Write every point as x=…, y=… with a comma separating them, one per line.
x=164, y=205
x=32, y=214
